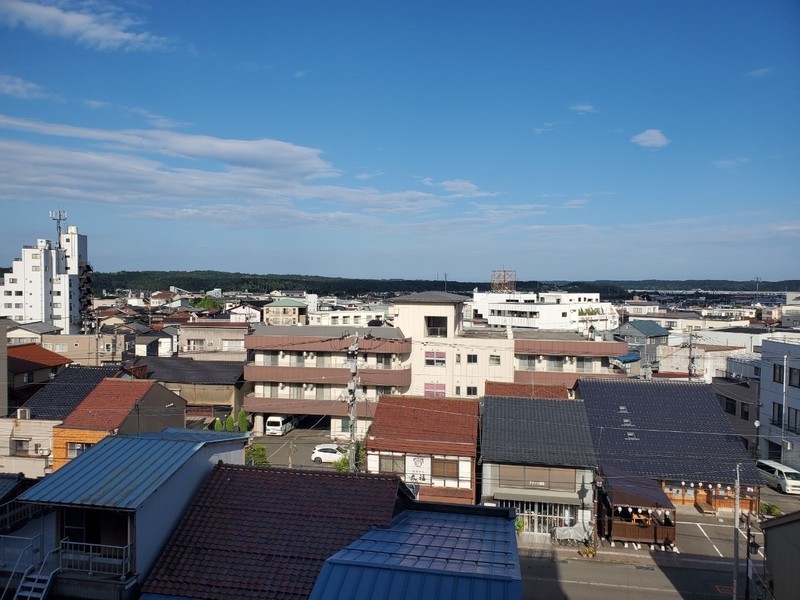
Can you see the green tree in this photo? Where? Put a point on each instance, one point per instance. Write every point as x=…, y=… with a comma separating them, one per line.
x=343, y=465
x=206, y=302
x=218, y=426
x=256, y=455
x=242, y=420
x=229, y=423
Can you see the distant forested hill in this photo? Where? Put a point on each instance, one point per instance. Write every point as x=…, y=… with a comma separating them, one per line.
x=201, y=281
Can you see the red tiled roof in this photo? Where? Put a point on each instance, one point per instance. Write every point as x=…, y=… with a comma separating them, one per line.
x=31, y=357
x=108, y=404
x=425, y=425
x=254, y=532
x=525, y=390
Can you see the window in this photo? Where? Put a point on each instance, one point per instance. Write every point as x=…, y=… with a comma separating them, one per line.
x=794, y=377
x=392, y=464
x=436, y=326
x=671, y=325
x=36, y=256
x=458, y=390
x=436, y=390
x=21, y=446
x=744, y=412
x=793, y=423
x=232, y=345
x=527, y=362
x=563, y=315
x=18, y=305
x=56, y=304
x=435, y=359
x=544, y=478
x=555, y=363
x=458, y=358
x=444, y=468
x=36, y=268
x=12, y=280
x=472, y=359
x=584, y=364
x=494, y=360
x=61, y=347
x=27, y=377
x=18, y=293
x=777, y=373
x=777, y=414
x=6, y=292
x=730, y=406
x=345, y=428
x=76, y=448
x=472, y=390
x=7, y=305
x=757, y=371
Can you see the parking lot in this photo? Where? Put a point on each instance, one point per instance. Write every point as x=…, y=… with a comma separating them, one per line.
x=294, y=449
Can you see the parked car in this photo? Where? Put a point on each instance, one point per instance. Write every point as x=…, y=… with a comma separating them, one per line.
x=279, y=424
x=328, y=453
x=782, y=478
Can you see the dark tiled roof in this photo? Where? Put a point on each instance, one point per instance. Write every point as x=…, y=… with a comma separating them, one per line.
x=254, y=532
x=185, y=370
x=536, y=432
x=665, y=430
x=11, y=484
x=425, y=425
x=430, y=298
x=66, y=391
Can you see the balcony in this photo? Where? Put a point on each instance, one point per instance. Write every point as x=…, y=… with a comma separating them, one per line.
x=335, y=375
x=96, y=559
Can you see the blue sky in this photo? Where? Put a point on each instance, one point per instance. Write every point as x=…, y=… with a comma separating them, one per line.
x=562, y=140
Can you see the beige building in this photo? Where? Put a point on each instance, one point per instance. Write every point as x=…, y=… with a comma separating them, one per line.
x=92, y=350
x=214, y=340
x=286, y=311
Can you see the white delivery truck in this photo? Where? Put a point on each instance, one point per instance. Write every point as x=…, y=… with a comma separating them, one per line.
x=279, y=424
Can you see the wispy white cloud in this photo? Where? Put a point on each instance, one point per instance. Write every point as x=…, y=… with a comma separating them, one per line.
x=370, y=175
x=730, y=163
x=458, y=188
x=575, y=203
x=759, y=73
x=650, y=138
x=96, y=104
x=156, y=120
x=20, y=88
x=546, y=127
x=98, y=25
x=583, y=108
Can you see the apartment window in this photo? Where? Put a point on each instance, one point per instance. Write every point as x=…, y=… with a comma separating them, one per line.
x=757, y=371
x=527, y=362
x=436, y=390
x=12, y=280
x=435, y=359
x=392, y=464
x=436, y=326
x=777, y=373
x=444, y=468
x=744, y=411
x=7, y=305
x=671, y=324
x=36, y=256
x=383, y=390
x=27, y=377
x=730, y=406
x=472, y=390
x=345, y=427
x=232, y=345
x=76, y=448
x=7, y=292
x=777, y=414
x=584, y=364
x=56, y=304
x=458, y=390
x=18, y=305
x=61, y=347
x=21, y=446
x=36, y=268
x=472, y=359
x=794, y=377
x=555, y=363
x=563, y=315
x=458, y=358
x=18, y=293
x=494, y=360
x=57, y=293
x=793, y=423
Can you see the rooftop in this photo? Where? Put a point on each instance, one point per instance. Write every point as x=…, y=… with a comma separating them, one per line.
x=109, y=404
x=67, y=390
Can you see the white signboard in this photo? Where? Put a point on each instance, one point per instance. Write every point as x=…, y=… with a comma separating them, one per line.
x=418, y=469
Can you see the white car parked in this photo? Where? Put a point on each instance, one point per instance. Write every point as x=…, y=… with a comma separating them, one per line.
x=328, y=453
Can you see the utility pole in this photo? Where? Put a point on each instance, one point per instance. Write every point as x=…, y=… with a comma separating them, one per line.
x=736, y=536
x=692, y=357
x=352, y=357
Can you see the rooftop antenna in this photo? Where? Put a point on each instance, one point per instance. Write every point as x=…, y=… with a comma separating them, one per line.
x=58, y=216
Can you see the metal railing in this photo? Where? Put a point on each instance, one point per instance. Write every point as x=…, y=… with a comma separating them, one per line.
x=96, y=558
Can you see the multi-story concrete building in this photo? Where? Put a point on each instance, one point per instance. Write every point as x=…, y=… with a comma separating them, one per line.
x=50, y=283
x=555, y=311
x=779, y=417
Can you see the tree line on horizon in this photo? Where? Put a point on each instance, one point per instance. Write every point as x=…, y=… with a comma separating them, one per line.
x=203, y=281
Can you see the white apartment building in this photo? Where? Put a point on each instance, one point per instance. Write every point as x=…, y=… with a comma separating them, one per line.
x=50, y=284
x=554, y=311
x=780, y=402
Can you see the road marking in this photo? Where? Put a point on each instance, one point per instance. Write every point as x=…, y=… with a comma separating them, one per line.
x=709, y=539
x=605, y=585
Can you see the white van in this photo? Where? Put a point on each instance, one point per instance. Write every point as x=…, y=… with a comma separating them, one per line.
x=782, y=478
x=279, y=424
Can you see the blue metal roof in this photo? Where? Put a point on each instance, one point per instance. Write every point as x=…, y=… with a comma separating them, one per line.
x=119, y=472
x=427, y=555
x=649, y=328
x=630, y=357
x=206, y=436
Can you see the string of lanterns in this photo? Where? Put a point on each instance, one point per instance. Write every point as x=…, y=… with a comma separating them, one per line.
x=710, y=485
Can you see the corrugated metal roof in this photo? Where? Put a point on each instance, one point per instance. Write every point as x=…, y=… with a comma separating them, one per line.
x=427, y=555
x=119, y=472
x=649, y=328
x=432, y=297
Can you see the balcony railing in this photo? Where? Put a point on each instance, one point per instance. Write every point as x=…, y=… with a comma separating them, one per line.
x=96, y=558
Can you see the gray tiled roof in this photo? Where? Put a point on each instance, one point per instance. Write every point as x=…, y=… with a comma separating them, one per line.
x=649, y=328
x=430, y=298
x=186, y=370
x=59, y=397
x=527, y=431
x=665, y=430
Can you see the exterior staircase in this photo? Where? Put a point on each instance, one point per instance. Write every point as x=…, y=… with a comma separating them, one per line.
x=35, y=584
